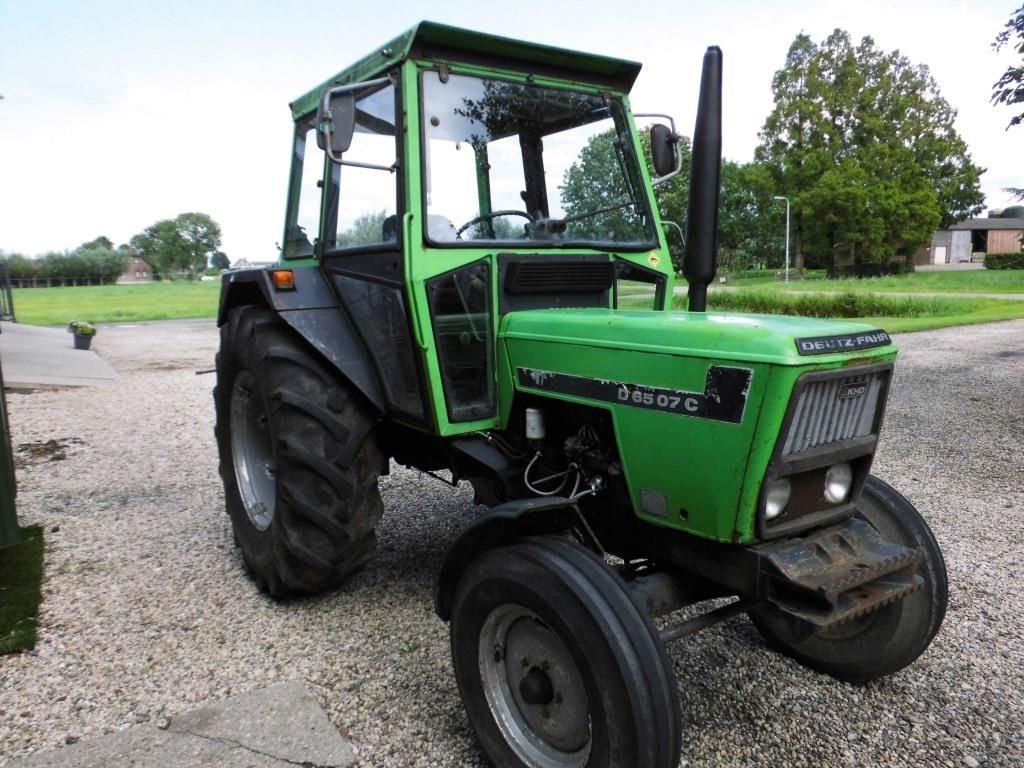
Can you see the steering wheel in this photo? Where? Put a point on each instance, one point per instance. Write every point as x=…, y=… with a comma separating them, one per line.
x=488, y=217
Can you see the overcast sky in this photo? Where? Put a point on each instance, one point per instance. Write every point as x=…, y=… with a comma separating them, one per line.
x=118, y=114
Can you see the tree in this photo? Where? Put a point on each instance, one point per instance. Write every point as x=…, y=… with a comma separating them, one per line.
x=750, y=226
x=1009, y=89
x=365, y=230
x=864, y=146
x=220, y=260
x=100, y=242
x=182, y=244
x=21, y=266
x=594, y=182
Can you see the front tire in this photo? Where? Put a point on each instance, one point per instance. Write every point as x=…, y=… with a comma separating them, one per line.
x=885, y=640
x=298, y=458
x=557, y=666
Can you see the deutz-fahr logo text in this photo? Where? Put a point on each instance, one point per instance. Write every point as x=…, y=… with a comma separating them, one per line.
x=824, y=345
x=849, y=390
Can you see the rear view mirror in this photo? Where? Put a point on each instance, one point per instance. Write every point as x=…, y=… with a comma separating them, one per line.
x=664, y=153
x=335, y=123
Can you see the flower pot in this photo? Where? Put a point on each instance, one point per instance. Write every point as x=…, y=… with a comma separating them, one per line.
x=82, y=340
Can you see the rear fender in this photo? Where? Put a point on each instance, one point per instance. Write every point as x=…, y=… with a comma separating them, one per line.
x=313, y=312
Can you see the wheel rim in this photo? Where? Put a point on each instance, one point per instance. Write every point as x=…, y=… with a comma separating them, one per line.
x=534, y=689
x=252, y=451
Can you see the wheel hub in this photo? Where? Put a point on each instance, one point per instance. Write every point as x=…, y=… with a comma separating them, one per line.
x=534, y=689
x=252, y=451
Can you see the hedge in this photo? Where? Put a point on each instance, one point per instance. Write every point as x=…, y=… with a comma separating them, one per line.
x=872, y=269
x=848, y=304
x=1004, y=260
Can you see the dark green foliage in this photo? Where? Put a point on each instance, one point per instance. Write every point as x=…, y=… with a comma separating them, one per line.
x=865, y=147
x=365, y=230
x=93, y=266
x=594, y=181
x=21, y=576
x=1009, y=89
x=220, y=260
x=873, y=269
x=848, y=304
x=751, y=224
x=102, y=241
x=1004, y=260
x=182, y=244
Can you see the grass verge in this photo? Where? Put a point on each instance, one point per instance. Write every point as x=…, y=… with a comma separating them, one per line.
x=21, y=577
x=116, y=303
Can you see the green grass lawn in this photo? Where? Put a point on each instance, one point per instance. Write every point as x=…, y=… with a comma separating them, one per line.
x=972, y=281
x=164, y=301
x=116, y=303
x=21, y=576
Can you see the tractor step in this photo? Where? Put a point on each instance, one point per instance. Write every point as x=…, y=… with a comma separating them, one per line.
x=838, y=573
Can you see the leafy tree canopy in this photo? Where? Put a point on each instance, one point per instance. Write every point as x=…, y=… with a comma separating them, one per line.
x=1008, y=90
x=220, y=260
x=102, y=241
x=864, y=146
x=182, y=244
x=595, y=182
x=751, y=226
x=365, y=230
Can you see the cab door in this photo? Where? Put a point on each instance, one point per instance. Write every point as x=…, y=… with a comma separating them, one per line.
x=361, y=247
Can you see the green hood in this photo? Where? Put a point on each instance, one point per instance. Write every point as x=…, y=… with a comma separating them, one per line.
x=749, y=338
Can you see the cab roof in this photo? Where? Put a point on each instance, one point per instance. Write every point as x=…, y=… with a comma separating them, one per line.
x=430, y=40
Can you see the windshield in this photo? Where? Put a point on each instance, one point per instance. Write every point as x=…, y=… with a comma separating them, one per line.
x=511, y=162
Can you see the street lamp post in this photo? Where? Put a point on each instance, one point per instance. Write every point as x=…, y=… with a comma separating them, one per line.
x=780, y=197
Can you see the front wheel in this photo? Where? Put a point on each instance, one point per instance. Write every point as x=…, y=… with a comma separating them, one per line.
x=885, y=640
x=557, y=666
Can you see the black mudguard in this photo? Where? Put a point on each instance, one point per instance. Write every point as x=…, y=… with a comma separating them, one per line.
x=500, y=525
x=311, y=310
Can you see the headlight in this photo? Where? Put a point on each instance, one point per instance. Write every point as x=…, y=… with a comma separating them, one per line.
x=776, y=498
x=838, y=481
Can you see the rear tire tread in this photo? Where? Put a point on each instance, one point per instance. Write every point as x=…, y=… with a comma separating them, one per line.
x=325, y=454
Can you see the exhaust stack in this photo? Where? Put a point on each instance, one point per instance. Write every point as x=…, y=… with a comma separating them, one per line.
x=701, y=255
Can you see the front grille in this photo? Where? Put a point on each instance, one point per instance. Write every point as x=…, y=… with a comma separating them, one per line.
x=840, y=407
x=559, y=276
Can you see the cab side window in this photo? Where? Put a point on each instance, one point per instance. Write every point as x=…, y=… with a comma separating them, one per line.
x=363, y=190
x=302, y=218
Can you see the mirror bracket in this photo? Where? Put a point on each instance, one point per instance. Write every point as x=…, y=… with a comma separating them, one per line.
x=336, y=117
x=672, y=137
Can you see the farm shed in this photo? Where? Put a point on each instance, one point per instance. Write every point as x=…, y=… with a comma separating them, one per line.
x=971, y=239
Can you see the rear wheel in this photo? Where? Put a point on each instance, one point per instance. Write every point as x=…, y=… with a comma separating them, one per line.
x=885, y=640
x=298, y=458
x=556, y=664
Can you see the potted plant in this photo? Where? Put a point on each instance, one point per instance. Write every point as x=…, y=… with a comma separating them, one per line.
x=83, y=333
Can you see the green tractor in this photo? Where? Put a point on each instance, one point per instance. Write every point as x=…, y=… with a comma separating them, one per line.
x=450, y=298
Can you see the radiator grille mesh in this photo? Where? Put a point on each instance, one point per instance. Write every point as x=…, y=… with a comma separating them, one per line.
x=830, y=410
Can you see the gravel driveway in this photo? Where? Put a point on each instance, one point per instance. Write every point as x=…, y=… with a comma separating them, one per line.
x=147, y=611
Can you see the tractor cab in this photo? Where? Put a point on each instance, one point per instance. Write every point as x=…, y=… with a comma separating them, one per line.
x=463, y=177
